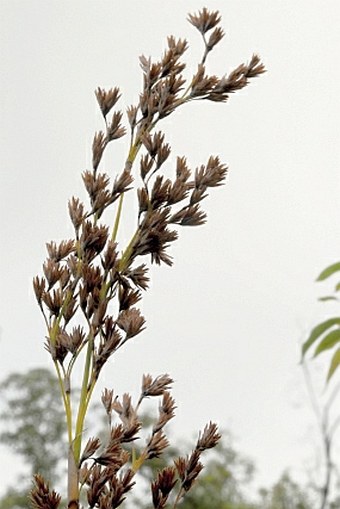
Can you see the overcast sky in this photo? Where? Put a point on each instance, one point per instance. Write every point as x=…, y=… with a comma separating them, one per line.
x=227, y=319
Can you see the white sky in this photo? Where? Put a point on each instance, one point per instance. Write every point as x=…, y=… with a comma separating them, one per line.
x=227, y=319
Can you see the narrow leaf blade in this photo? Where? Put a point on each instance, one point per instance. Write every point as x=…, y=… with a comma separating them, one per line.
x=329, y=271
x=334, y=364
x=328, y=342
x=318, y=331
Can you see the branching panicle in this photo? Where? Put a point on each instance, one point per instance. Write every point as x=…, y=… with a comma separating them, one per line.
x=94, y=279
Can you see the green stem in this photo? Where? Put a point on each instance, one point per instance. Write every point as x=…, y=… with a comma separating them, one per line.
x=118, y=216
x=73, y=360
x=89, y=394
x=127, y=253
x=133, y=152
x=67, y=403
x=82, y=403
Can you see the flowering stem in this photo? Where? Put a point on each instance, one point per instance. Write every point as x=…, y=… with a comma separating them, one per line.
x=67, y=403
x=178, y=498
x=91, y=276
x=117, y=219
x=83, y=401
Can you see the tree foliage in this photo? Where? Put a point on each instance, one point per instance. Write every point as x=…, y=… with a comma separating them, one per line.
x=14, y=499
x=286, y=494
x=33, y=420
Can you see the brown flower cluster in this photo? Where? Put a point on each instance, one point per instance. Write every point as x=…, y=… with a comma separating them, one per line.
x=41, y=497
x=91, y=287
x=184, y=472
x=108, y=475
x=107, y=470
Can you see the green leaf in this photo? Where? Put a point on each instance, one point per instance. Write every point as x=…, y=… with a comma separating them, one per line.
x=318, y=331
x=334, y=364
x=337, y=287
x=329, y=271
x=329, y=297
x=328, y=342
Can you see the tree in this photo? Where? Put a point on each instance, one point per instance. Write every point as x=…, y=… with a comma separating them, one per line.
x=33, y=427
x=33, y=420
x=14, y=499
x=286, y=494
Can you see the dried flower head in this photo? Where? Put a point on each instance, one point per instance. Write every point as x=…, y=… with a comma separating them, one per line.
x=162, y=487
x=41, y=497
x=107, y=400
x=157, y=386
x=209, y=438
x=205, y=20
x=90, y=448
x=107, y=99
